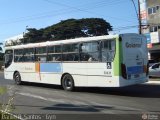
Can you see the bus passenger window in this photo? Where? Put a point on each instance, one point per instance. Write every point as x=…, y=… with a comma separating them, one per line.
x=18, y=55
x=54, y=53
x=42, y=59
x=41, y=54
x=54, y=57
x=70, y=52
x=89, y=51
x=29, y=55
x=108, y=50
x=84, y=57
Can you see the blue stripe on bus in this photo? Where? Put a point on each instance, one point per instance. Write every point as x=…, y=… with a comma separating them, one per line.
x=134, y=69
x=50, y=67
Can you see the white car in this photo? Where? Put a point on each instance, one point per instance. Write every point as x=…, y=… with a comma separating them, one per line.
x=154, y=70
x=151, y=62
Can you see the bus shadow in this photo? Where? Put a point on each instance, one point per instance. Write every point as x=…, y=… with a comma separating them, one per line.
x=141, y=90
x=84, y=108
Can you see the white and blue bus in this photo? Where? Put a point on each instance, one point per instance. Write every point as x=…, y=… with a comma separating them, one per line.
x=101, y=61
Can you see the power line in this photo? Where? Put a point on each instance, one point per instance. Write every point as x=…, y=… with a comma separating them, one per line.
x=72, y=9
x=135, y=8
x=125, y=27
x=46, y=14
x=85, y=10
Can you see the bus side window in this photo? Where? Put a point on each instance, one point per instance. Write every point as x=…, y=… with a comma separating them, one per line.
x=41, y=54
x=54, y=53
x=108, y=50
x=89, y=51
x=29, y=55
x=18, y=55
x=70, y=52
x=84, y=57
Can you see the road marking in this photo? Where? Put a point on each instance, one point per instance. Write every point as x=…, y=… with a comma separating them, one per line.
x=31, y=95
x=85, y=105
x=54, y=100
x=42, y=98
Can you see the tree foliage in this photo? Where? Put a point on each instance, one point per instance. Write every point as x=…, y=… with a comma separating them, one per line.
x=67, y=29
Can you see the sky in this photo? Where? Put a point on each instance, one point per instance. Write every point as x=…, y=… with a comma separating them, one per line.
x=16, y=15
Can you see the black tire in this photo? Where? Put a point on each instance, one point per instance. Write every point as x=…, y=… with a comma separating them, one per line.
x=68, y=82
x=17, y=78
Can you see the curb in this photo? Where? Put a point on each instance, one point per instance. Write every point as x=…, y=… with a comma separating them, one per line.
x=157, y=79
x=155, y=82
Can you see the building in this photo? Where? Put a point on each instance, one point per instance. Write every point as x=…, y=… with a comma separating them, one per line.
x=150, y=19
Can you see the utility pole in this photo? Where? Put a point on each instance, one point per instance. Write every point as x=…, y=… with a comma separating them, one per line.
x=138, y=13
x=139, y=18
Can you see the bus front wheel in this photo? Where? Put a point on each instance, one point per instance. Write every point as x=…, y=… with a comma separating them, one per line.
x=68, y=82
x=17, y=78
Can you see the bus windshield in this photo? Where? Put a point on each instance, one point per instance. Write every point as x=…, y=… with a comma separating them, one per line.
x=8, y=58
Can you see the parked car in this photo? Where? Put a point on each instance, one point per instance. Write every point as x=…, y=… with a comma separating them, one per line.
x=151, y=62
x=154, y=70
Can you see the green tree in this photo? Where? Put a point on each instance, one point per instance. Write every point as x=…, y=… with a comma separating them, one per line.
x=1, y=52
x=65, y=30
x=68, y=29
x=95, y=26
x=33, y=35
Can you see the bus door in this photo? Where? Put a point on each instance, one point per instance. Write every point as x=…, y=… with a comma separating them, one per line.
x=8, y=58
x=8, y=62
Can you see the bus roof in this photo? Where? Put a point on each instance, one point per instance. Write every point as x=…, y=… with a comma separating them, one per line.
x=58, y=42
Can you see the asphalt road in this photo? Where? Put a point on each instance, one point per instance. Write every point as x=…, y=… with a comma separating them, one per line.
x=85, y=103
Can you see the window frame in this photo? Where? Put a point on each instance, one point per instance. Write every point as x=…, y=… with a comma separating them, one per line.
x=25, y=55
x=9, y=61
x=22, y=55
x=71, y=52
x=40, y=54
x=54, y=53
x=94, y=51
x=88, y=60
x=113, y=57
x=153, y=28
x=153, y=10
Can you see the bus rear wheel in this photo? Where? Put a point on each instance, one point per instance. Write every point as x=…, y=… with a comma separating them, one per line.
x=17, y=78
x=68, y=82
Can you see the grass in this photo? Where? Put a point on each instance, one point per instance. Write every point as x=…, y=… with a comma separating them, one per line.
x=5, y=116
x=3, y=90
x=6, y=108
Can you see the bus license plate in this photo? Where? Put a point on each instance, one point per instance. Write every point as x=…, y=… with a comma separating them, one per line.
x=136, y=76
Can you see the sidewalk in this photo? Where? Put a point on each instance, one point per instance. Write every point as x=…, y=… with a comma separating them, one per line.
x=154, y=80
